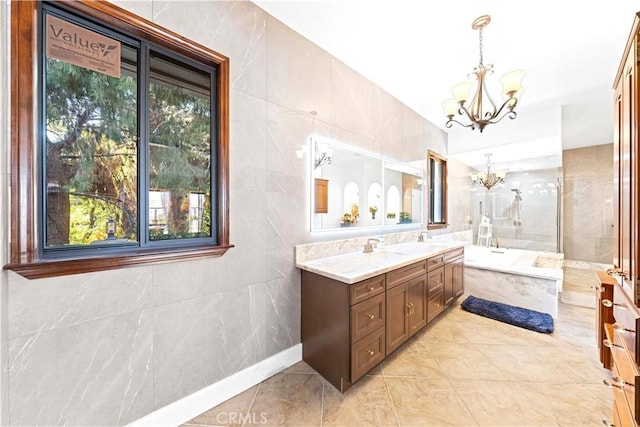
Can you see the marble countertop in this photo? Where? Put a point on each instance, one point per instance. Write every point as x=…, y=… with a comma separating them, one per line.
x=353, y=267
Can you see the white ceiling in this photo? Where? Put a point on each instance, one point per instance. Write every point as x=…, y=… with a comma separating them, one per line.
x=418, y=49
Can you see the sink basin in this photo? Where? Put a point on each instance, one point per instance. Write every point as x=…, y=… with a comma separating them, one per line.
x=416, y=247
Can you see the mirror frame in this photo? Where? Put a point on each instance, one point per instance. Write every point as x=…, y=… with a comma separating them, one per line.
x=418, y=172
x=433, y=157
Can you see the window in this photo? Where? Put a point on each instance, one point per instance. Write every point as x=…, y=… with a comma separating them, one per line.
x=437, y=166
x=131, y=146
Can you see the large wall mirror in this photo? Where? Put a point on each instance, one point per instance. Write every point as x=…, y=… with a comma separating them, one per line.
x=437, y=169
x=355, y=188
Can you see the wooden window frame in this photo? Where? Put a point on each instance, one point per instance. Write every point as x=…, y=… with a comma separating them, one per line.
x=445, y=202
x=24, y=253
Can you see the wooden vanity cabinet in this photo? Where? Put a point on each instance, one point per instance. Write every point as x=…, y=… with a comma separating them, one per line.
x=406, y=303
x=347, y=329
x=343, y=326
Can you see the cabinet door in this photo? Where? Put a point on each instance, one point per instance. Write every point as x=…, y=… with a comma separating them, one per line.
x=448, y=283
x=628, y=157
x=397, y=317
x=417, y=290
x=458, y=276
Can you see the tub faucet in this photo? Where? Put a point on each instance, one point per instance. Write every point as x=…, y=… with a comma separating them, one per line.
x=368, y=247
x=421, y=235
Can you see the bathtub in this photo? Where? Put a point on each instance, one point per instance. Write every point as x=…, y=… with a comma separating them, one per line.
x=517, y=277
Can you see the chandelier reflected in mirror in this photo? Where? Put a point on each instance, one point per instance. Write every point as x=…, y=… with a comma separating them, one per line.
x=482, y=110
x=489, y=179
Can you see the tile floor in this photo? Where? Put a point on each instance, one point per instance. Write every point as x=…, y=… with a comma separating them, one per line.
x=462, y=369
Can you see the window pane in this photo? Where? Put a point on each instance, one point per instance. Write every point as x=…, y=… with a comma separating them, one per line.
x=179, y=150
x=90, y=153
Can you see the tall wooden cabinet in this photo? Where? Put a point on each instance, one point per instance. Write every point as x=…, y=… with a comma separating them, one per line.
x=618, y=314
x=626, y=163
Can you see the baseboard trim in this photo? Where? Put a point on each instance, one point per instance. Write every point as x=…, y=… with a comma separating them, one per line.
x=183, y=410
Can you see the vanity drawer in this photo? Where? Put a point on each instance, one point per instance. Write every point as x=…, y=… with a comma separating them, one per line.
x=366, y=317
x=401, y=275
x=435, y=281
x=367, y=288
x=435, y=262
x=627, y=319
x=435, y=305
x=621, y=408
x=624, y=366
x=367, y=353
x=451, y=255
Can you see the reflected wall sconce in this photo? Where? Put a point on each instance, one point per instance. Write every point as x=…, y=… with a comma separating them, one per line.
x=323, y=156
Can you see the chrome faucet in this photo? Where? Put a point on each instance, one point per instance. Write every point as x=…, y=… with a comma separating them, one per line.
x=368, y=247
x=421, y=235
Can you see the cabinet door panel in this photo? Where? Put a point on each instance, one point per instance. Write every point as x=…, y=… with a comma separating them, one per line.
x=448, y=283
x=417, y=289
x=397, y=314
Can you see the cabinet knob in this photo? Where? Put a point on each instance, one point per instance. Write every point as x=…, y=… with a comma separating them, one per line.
x=370, y=288
x=371, y=352
x=609, y=344
x=615, y=382
x=371, y=316
x=619, y=327
x=608, y=303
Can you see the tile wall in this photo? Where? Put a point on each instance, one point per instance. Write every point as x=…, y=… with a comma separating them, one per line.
x=107, y=348
x=588, y=203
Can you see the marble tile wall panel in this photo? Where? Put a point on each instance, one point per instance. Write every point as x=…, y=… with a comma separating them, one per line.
x=143, y=8
x=459, y=212
x=351, y=100
x=413, y=142
x=298, y=72
x=588, y=203
x=236, y=29
x=282, y=317
x=216, y=338
x=98, y=372
x=46, y=304
x=387, y=123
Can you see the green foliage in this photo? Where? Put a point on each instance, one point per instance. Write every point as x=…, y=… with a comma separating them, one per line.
x=92, y=150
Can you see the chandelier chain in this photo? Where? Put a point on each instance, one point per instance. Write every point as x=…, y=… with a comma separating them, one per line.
x=481, y=58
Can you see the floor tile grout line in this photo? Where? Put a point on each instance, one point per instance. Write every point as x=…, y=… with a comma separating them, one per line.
x=463, y=401
x=253, y=399
x=393, y=404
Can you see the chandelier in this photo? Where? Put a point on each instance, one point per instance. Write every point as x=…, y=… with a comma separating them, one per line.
x=482, y=110
x=489, y=179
